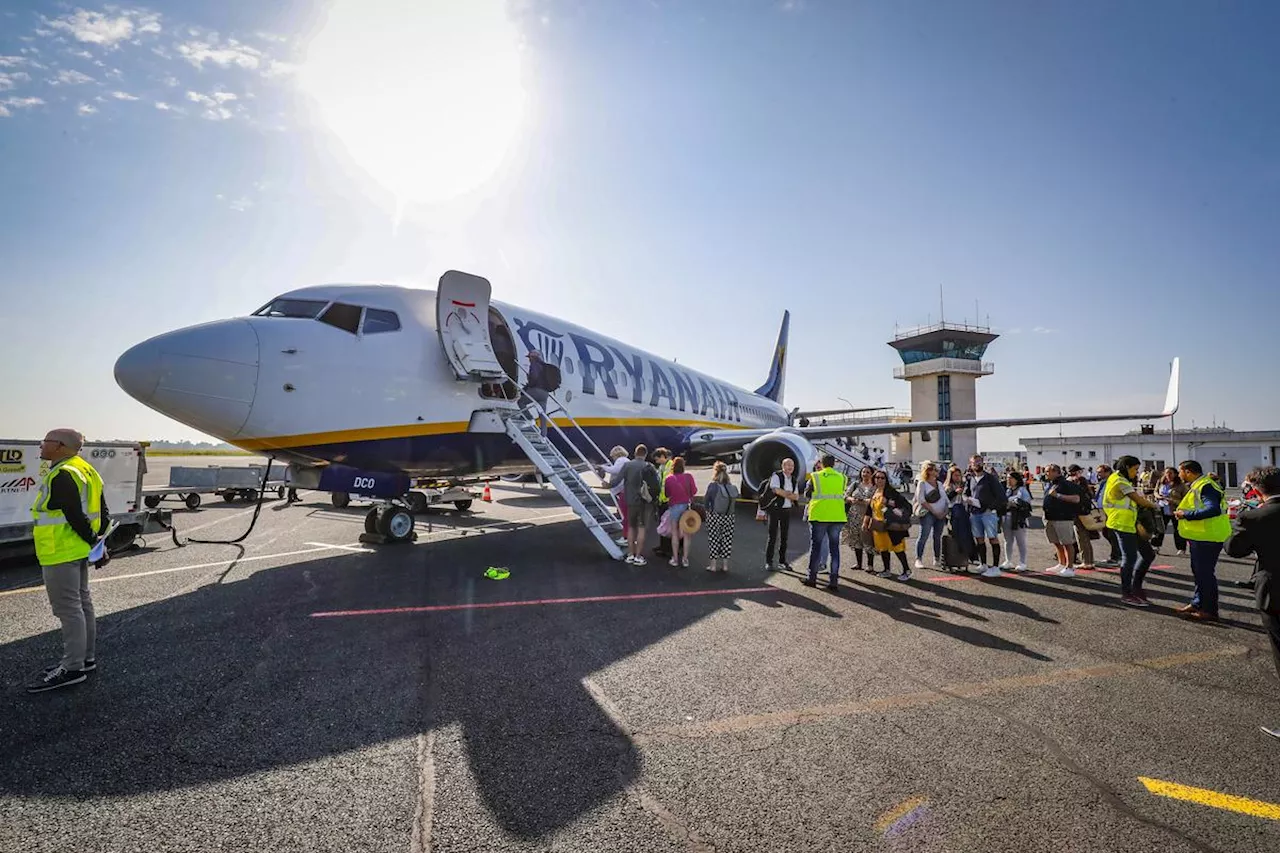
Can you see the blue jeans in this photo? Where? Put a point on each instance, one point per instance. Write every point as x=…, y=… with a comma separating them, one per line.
x=1204, y=563
x=930, y=525
x=1136, y=557
x=825, y=542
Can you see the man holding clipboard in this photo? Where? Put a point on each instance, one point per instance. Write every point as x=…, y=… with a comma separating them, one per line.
x=71, y=523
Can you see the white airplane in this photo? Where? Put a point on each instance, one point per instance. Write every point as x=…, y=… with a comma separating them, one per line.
x=363, y=387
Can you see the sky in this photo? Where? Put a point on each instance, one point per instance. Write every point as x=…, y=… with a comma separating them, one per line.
x=1098, y=182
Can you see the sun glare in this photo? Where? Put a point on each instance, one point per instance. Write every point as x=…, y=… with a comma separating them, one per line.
x=425, y=96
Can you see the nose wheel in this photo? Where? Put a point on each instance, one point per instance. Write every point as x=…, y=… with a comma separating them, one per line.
x=389, y=524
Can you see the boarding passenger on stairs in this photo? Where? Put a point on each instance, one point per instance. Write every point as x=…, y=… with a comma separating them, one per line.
x=70, y=513
x=612, y=474
x=1203, y=521
x=1257, y=532
x=536, y=386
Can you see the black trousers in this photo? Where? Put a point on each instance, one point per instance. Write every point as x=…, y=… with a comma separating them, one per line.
x=1110, y=536
x=779, y=523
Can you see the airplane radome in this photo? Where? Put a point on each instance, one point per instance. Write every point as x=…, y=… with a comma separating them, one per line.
x=362, y=387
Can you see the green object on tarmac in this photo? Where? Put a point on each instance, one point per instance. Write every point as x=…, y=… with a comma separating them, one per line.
x=495, y=574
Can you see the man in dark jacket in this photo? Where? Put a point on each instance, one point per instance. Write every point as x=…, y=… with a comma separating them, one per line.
x=1257, y=531
x=1062, y=501
x=986, y=499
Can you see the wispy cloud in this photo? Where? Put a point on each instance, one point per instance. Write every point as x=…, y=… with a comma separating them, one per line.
x=17, y=104
x=224, y=55
x=13, y=61
x=123, y=96
x=214, y=103
x=86, y=109
x=10, y=80
x=108, y=29
x=70, y=77
x=1041, y=330
x=80, y=54
x=165, y=107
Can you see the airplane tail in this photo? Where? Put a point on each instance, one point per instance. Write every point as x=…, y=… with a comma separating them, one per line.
x=772, y=387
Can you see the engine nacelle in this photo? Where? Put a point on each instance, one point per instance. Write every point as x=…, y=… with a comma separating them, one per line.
x=763, y=456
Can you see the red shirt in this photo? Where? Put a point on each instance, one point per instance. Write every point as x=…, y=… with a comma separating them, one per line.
x=680, y=488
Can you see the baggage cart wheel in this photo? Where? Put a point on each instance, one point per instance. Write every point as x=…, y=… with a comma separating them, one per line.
x=417, y=501
x=462, y=506
x=192, y=501
x=152, y=501
x=228, y=496
x=396, y=523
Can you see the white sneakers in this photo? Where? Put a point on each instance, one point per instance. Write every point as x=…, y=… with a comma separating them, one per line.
x=919, y=564
x=1061, y=571
x=1021, y=567
x=1005, y=564
x=991, y=572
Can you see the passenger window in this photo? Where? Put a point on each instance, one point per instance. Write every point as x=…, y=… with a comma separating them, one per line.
x=344, y=317
x=568, y=366
x=376, y=320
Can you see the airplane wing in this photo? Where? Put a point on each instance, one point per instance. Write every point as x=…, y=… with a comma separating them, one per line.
x=728, y=440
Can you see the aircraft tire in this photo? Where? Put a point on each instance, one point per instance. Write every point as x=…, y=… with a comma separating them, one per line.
x=342, y=500
x=462, y=506
x=396, y=524
x=370, y=520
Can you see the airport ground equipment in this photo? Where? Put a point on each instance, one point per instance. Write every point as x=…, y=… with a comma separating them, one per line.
x=188, y=483
x=122, y=465
x=423, y=495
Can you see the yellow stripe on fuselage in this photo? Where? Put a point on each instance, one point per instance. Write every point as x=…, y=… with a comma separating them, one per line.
x=314, y=439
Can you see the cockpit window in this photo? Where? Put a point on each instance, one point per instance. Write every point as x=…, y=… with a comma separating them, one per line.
x=306, y=309
x=342, y=316
x=376, y=320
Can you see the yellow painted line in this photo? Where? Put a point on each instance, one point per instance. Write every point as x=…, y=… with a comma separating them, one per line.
x=1213, y=799
x=902, y=701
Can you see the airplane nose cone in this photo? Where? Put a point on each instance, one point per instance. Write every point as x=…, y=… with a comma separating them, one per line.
x=204, y=376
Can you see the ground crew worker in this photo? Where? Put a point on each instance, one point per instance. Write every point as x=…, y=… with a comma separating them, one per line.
x=1202, y=521
x=826, y=520
x=662, y=461
x=70, y=513
x=1120, y=501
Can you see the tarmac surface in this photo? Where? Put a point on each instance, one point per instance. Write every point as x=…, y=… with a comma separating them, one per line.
x=300, y=690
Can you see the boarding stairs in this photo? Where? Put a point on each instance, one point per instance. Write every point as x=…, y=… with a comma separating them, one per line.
x=596, y=514
x=849, y=463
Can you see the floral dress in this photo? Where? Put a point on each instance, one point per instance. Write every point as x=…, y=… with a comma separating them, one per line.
x=854, y=535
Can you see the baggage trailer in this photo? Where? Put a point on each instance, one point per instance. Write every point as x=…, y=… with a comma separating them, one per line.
x=188, y=483
x=122, y=465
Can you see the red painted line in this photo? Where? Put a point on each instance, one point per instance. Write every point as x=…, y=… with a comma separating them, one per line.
x=445, y=608
x=463, y=304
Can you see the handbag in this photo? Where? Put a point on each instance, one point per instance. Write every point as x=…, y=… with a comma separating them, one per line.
x=1095, y=520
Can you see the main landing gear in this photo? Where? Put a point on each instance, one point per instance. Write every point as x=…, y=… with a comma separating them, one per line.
x=388, y=522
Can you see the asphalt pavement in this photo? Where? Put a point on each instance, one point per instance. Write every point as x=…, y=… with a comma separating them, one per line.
x=300, y=690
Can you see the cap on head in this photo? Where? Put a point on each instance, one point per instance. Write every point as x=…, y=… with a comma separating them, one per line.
x=71, y=438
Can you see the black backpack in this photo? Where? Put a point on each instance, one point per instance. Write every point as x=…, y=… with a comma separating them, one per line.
x=768, y=497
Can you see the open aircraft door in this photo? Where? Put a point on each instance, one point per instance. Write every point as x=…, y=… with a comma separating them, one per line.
x=462, y=320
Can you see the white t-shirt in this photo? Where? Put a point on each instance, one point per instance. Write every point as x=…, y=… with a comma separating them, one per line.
x=941, y=505
x=787, y=484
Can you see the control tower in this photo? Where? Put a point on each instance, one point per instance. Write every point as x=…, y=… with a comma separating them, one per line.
x=942, y=362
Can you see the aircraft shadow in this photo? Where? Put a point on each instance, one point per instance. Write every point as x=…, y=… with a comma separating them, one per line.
x=238, y=677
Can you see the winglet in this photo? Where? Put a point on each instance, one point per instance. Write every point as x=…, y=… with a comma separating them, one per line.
x=772, y=387
x=1171, y=398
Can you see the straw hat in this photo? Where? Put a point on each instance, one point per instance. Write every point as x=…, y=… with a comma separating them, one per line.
x=690, y=522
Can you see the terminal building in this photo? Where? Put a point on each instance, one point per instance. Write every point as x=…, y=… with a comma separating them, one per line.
x=1228, y=453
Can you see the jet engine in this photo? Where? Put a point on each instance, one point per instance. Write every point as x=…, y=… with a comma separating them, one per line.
x=763, y=456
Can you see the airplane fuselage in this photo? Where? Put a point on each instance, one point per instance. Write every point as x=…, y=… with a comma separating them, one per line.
x=352, y=390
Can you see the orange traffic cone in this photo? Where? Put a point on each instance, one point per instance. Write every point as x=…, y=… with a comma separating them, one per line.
x=488, y=498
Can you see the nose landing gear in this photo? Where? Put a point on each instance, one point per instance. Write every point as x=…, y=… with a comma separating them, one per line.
x=388, y=523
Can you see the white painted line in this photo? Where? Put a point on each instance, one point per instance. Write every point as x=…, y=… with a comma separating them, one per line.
x=355, y=548
x=481, y=528
x=180, y=569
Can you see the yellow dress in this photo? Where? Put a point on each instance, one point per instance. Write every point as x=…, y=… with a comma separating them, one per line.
x=880, y=538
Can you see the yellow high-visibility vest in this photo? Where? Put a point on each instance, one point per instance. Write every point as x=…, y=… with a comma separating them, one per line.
x=1122, y=512
x=55, y=541
x=663, y=473
x=1216, y=529
x=828, y=496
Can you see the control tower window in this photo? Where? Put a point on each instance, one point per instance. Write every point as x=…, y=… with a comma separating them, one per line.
x=341, y=316
x=305, y=309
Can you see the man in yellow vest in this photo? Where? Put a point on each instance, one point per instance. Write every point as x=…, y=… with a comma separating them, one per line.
x=826, y=520
x=1202, y=521
x=70, y=514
